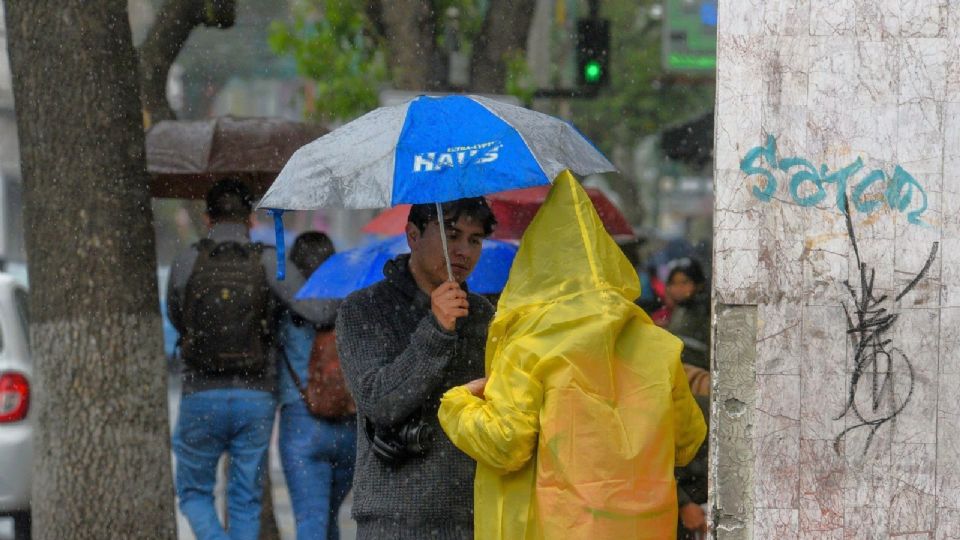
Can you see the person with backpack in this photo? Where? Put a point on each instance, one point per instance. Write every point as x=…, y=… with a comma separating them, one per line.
x=318, y=428
x=225, y=301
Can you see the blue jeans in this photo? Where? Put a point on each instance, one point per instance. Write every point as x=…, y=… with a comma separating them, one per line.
x=211, y=422
x=317, y=458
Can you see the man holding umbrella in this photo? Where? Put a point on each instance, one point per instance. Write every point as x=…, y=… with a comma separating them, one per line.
x=403, y=342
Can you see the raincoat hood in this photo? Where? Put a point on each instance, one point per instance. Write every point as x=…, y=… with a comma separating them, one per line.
x=571, y=237
x=587, y=409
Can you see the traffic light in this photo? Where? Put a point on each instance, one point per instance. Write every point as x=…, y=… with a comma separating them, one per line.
x=593, y=52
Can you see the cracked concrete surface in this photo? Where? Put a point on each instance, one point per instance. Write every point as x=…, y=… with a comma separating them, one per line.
x=796, y=306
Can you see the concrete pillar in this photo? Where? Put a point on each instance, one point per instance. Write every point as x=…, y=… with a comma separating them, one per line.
x=837, y=270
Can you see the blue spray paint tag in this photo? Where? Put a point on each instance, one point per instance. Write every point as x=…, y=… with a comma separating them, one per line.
x=281, y=244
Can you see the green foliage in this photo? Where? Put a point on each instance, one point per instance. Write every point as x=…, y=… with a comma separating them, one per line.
x=332, y=44
x=519, y=80
x=469, y=21
x=335, y=44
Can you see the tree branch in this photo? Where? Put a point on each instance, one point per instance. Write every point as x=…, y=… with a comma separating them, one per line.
x=374, y=12
x=175, y=21
x=505, y=30
x=410, y=34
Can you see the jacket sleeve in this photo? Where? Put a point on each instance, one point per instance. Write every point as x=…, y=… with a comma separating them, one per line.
x=319, y=312
x=389, y=387
x=689, y=426
x=501, y=429
x=682, y=497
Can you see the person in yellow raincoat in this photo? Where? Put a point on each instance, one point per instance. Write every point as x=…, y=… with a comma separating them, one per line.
x=586, y=409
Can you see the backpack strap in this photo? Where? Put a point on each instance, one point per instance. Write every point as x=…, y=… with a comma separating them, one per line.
x=204, y=247
x=296, y=378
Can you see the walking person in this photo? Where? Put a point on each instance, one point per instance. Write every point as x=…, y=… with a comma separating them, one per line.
x=403, y=342
x=317, y=452
x=224, y=300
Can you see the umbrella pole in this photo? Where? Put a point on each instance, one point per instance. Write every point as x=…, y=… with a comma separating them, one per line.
x=443, y=238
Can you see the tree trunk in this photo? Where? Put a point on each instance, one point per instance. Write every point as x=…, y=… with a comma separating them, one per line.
x=504, y=32
x=410, y=27
x=101, y=448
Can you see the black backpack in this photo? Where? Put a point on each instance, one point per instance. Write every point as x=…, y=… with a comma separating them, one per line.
x=228, y=310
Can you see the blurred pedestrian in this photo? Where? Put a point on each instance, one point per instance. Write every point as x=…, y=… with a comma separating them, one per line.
x=317, y=452
x=690, y=317
x=692, y=488
x=224, y=300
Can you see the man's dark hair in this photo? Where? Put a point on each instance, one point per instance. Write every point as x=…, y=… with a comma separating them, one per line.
x=229, y=200
x=309, y=251
x=473, y=207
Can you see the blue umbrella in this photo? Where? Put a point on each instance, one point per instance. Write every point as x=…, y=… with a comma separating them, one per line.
x=431, y=149
x=355, y=269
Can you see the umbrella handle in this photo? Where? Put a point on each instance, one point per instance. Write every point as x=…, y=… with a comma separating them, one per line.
x=443, y=239
x=281, y=243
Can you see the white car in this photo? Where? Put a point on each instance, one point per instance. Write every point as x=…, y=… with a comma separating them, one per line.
x=16, y=431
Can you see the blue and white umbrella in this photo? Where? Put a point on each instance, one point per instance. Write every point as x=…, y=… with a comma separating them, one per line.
x=431, y=149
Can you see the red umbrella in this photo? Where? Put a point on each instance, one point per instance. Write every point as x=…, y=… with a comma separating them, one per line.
x=514, y=211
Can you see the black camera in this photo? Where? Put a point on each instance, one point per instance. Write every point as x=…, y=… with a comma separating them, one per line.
x=394, y=445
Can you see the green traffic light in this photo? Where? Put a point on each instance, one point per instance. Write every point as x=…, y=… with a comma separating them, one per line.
x=592, y=71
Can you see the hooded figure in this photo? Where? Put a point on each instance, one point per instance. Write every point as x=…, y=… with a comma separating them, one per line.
x=587, y=409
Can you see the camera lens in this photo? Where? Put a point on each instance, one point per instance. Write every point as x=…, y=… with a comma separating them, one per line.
x=417, y=437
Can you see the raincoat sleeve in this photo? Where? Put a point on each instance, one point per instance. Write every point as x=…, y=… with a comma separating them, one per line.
x=689, y=425
x=499, y=430
x=388, y=386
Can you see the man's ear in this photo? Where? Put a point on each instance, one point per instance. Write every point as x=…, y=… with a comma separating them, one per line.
x=207, y=221
x=413, y=235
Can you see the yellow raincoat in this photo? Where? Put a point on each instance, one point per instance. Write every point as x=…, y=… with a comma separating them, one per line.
x=587, y=409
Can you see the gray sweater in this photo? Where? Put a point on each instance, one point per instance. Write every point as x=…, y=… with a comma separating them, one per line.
x=396, y=360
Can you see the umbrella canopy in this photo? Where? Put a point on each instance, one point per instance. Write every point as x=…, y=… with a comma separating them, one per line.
x=355, y=269
x=185, y=158
x=432, y=149
x=514, y=210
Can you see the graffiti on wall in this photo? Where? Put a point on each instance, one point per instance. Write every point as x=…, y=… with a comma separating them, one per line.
x=807, y=185
x=875, y=394
x=877, y=360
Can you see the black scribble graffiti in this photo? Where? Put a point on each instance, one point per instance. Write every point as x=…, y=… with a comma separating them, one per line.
x=876, y=359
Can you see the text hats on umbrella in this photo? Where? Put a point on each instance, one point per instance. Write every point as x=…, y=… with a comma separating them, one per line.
x=432, y=149
x=355, y=269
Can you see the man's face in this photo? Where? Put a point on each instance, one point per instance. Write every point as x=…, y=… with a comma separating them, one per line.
x=464, y=240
